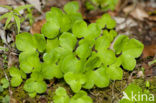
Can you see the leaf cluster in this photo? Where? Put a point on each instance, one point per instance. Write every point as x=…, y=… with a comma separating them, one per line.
x=15, y=14
x=85, y=55
x=103, y=4
x=61, y=96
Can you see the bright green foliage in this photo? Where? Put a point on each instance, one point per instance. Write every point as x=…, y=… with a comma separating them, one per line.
x=17, y=76
x=106, y=21
x=14, y=13
x=75, y=80
x=133, y=94
x=103, y=4
x=5, y=83
x=61, y=96
x=84, y=55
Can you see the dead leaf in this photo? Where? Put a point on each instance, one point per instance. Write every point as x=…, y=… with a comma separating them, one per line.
x=36, y=28
x=152, y=18
x=137, y=12
x=149, y=51
x=35, y=3
x=3, y=2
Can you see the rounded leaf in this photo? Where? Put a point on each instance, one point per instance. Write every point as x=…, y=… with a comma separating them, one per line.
x=50, y=29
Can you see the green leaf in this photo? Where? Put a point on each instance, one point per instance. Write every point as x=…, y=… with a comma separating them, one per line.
x=68, y=41
x=6, y=15
x=107, y=56
x=84, y=49
x=128, y=62
x=50, y=29
x=29, y=60
x=5, y=83
x=106, y=21
x=16, y=81
x=17, y=19
x=25, y=42
x=81, y=97
x=101, y=43
x=32, y=86
x=54, y=15
x=50, y=71
x=98, y=77
x=61, y=96
x=40, y=42
x=70, y=64
x=22, y=7
x=66, y=23
x=115, y=72
x=8, y=20
x=75, y=80
x=1, y=89
x=79, y=28
x=7, y=7
x=14, y=72
x=93, y=31
x=93, y=62
x=51, y=57
x=75, y=17
x=119, y=43
x=133, y=48
x=71, y=7
x=6, y=99
x=51, y=44
x=109, y=35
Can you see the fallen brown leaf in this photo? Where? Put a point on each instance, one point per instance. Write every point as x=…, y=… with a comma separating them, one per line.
x=36, y=28
x=137, y=12
x=149, y=51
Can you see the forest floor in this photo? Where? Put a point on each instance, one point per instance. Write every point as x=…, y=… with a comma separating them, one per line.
x=135, y=19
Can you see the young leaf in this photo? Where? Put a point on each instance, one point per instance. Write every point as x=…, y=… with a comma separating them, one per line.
x=128, y=62
x=93, y=62
x=115, y=72
x=5, y=83
x=109, y=35
x=106, y=21
x=61, y=96
x=107, y=56
x=51, y=44
x=101, y=43
x=16, y=81
x=16, y=75
x=22, y=7
x=75, y=80
x=25, y=42
x=84, y=50
x=66, y=23
x=79, y=28
x=5, y=15
x=17, y=19
x=68, y=41
x=50, y=29
x=70, y=64
x=81, y=97
x=98, y=77
x=119, y=43
x=93, y=31
x=50, y=71
x=71, y=7
x=40, y=42
x=32, y=86
x=28, y=61
x=133, y=48
x=8, y=20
